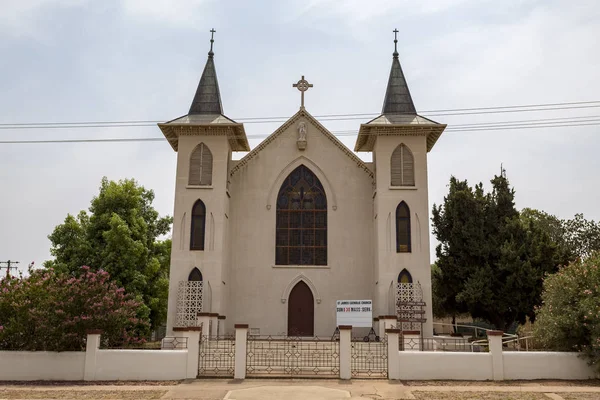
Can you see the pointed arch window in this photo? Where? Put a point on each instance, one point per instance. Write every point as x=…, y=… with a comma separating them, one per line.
x=404, y=277
x=301, y=226
x=402, y=167
x=198, y=226
x=195, y=275
x=201, y=162
x=403, y=244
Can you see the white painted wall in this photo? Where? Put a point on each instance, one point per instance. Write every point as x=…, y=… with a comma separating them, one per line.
x=141, y=365
x=423, y=365
x=41, y=365
x=546, y=365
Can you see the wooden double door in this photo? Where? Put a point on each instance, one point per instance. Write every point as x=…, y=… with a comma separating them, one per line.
x=301, y=311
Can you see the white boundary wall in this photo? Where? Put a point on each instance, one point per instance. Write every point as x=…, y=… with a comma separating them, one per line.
x=495, y=365
x=136, y=365
x=425, y=365
x=41, y=365
x=97, y=365
x=546, y=365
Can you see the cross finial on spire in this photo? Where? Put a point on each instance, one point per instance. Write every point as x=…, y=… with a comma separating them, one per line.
x=212, y=40
x=395, y=43
x=302, y=86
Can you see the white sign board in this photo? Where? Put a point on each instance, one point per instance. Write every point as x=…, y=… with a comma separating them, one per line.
x=358, y=313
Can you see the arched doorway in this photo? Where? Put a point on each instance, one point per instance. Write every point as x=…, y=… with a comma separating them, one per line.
x=301, y=311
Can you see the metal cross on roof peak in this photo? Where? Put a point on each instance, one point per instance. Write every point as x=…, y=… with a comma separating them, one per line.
x=395, y=42
x=212, y=40
x=302, y=85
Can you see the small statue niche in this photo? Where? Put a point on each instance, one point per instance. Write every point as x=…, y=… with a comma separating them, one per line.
x=301, y=142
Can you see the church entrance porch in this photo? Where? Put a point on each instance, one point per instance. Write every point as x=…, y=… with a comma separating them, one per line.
x=301, y=311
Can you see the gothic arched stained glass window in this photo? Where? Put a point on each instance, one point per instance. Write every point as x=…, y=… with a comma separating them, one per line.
x=403, y=228
x=301, y=231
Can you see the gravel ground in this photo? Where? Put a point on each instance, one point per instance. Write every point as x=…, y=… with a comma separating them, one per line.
x=89, y=383
x=589, y=382
x=82, y=394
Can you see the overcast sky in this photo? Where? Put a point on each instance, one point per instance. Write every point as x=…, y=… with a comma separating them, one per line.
x=77, y=60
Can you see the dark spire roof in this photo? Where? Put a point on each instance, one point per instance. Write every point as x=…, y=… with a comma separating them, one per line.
x=208, y=98
x=397, y=96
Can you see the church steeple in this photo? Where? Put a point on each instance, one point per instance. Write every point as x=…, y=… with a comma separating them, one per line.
x=208, y=98
x=397, y=97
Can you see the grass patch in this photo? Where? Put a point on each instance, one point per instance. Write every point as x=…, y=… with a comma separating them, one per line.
x=580, y=396
x=479, y=396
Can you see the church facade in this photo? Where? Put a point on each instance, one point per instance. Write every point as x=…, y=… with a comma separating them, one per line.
x=274, y=239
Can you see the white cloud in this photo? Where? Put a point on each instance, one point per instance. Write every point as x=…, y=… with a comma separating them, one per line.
x=19, y=17
x=181, y=12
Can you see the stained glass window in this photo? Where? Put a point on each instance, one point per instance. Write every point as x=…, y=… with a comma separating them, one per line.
x=403, y=228
x=301, y=226
x=198, y=224
x=404, y=277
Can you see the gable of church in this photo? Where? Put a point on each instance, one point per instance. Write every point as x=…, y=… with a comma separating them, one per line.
x=320, y=129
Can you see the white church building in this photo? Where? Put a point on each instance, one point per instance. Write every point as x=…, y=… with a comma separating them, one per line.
x=274, y=239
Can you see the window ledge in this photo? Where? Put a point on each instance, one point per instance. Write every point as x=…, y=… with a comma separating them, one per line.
x=403, y=188
x=198, y=187
x=302, y=266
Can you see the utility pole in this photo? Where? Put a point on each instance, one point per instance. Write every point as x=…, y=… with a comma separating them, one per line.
x=8, y=267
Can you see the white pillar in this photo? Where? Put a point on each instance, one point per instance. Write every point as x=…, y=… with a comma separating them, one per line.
x=241, y=336
x=213, y=324
x=495, y=343
x=390, y=322
x=393, y=336
x=192, y=334
x=381, y=324
x=345, y=351
x=376, y=327
x=91, y=352
x=411, y=340
x=221, y=325
x=204, y=322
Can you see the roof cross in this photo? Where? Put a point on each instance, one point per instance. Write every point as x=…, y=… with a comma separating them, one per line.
x=302, y=85
x=212, y=40
x=395, y=42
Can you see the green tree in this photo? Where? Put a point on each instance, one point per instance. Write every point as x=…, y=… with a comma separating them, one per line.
x=491, y=264
x=120, y=235
x=52, y=311
x=569, y=318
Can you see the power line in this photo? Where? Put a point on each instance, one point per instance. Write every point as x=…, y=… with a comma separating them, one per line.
x=340, y=133
x=324, y=117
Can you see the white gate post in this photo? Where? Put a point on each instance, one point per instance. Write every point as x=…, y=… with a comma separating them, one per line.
x=92, y=345
x=381, y=325
x=345, y=351
x=204, y=321
x=221, y=325
x=393, y=337
x=192, y=334
x=213, y=317
x=495, y=343
x=241, y=336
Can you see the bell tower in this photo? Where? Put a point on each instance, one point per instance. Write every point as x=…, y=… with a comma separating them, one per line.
x=204, y=139
x=400, y=140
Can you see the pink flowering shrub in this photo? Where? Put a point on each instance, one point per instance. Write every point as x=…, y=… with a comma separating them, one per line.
x=569, y=318
x=52, y=311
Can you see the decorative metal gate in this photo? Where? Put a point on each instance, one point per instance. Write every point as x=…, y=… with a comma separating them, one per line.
x=217, y=356
x=292, y=356
x=369, y=359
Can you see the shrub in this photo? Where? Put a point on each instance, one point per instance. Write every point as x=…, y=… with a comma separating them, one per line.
x=569, y=318
x=52, y=311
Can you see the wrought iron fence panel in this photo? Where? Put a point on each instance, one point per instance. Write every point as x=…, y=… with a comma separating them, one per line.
x=216, y=356
x=174, y=343
x=369, y=359
x=296, y=356
x=455, y=344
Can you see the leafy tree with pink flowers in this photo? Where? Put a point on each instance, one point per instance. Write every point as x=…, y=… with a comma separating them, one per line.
x=52, y=311
x=569, y=318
